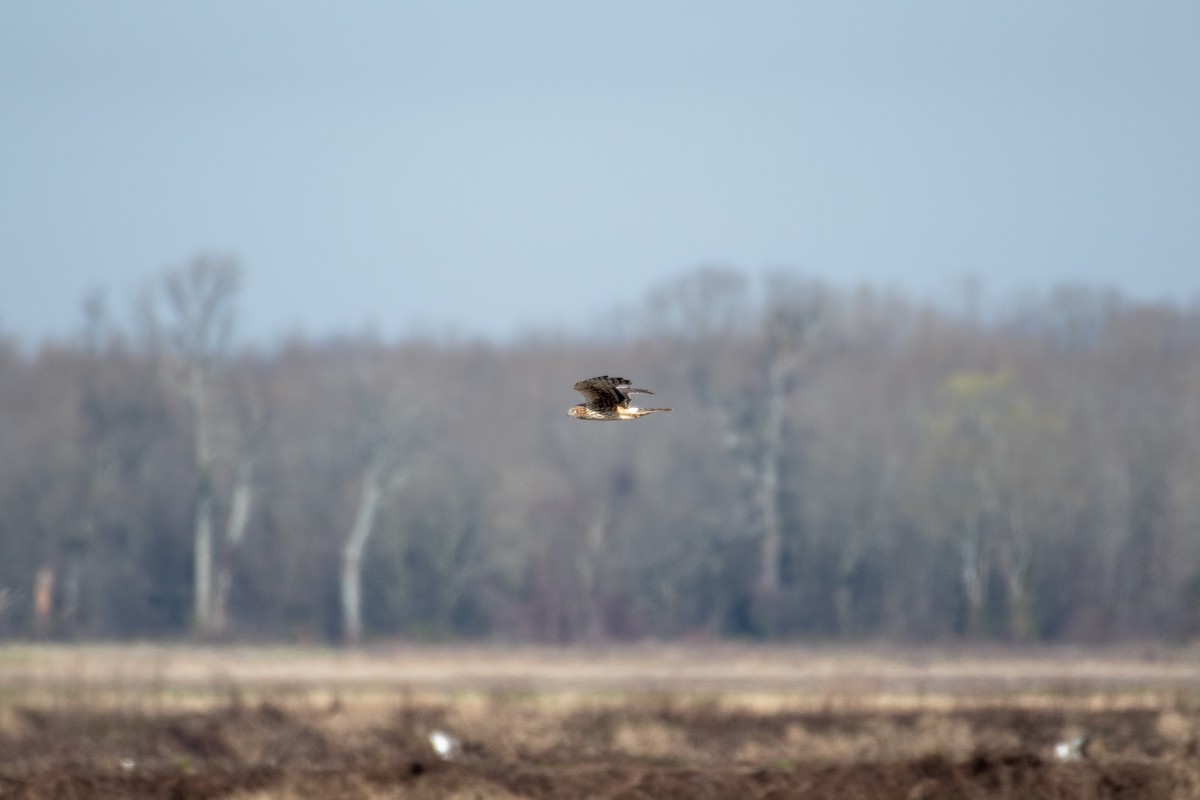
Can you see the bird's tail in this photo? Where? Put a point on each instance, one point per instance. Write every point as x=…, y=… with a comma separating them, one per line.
x=641, y=412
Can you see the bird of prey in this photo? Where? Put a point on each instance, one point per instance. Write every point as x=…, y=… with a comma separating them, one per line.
x=608, y=399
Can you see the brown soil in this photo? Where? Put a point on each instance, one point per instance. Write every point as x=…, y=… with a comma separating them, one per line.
x=628, y=747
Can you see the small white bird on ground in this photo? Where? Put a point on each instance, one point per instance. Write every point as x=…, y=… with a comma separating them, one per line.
x=1072, y=749
x=446, y=746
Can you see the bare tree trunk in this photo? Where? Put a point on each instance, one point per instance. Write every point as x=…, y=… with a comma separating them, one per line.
x=202, y=560
x=202, y=532
x=1016, y=563
x=771, y=548
x=595, y=545
x=1022, y=624
x=974, y=575
x=356, y=542
x=235, y=531
x=43, y=601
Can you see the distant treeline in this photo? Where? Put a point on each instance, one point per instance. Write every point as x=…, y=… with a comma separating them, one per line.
x=838, y=465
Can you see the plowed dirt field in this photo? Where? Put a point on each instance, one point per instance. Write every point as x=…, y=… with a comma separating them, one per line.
x=653, y=723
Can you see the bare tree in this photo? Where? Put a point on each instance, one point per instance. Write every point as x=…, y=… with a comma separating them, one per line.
x=384, y=437
x=997, y=474
x=198, y=302
x=379, y=480
x=917, y=473
x=742, y=364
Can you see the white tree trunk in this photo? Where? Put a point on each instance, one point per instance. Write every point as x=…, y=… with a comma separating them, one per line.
x=235, y=531
x=356, y=542
x=202, y=533
x=974, y=572
x=771, y=548
x=202, y=558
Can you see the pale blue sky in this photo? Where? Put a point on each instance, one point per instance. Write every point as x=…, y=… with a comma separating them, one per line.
x=496, y=167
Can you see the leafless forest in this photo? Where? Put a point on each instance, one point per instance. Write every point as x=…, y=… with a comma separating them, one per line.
x=840, y=465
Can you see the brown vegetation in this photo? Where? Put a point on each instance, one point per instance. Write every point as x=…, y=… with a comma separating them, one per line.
x=593, y=724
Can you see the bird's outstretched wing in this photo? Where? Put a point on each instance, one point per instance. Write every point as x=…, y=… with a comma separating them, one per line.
x=603, y=393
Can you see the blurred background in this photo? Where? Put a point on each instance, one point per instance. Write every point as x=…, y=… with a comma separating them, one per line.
x=294, y=298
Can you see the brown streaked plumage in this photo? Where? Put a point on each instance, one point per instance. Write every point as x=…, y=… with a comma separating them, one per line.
x=608, y=399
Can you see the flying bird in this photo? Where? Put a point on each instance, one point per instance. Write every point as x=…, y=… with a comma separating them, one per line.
x=608, y=399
